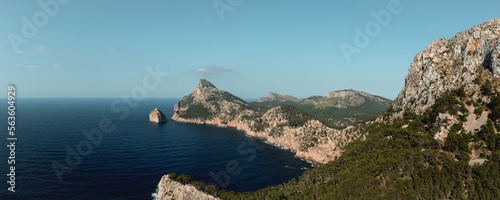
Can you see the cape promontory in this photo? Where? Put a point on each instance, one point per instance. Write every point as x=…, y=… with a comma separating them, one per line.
x=311, y=137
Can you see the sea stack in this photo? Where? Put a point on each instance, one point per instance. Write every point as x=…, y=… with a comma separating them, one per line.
x=157, y=116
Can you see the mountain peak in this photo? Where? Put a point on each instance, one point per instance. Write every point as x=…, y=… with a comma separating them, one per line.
x=204, y=83
x=447, y=65
x=273, y=96
x=344, y=93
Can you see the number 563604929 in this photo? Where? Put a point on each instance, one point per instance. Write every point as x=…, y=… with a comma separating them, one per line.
x=11, y=97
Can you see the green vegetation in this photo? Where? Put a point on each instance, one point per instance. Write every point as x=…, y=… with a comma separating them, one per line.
x=196, y=111
x=297, y=117
x=188, y=100
x=463, y=117
x=494, y=107
x=331, y=113
x=486, y=88
x=456, y=142
x=397, y=163
x=186, y=179
x=259, y=125
x=477, y=81
x=364, y=111
x=487, y=134
x=183, y=178
x=478, y=111
x=271, y=104
x=276, y=132
x=456, y=127
x=449, y=102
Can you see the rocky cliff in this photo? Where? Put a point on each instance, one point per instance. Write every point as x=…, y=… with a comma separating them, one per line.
x=170, y=189
x=284, y=126
x=157, y=116
x=468, y=63
x=444, y=65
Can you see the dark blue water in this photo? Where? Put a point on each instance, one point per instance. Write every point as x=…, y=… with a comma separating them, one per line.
x=129, y=161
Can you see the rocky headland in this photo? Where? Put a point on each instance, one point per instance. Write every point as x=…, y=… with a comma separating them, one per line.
x=283, y=126
x=170, y=189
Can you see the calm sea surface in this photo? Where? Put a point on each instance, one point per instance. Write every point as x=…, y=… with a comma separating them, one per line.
x=129, y=161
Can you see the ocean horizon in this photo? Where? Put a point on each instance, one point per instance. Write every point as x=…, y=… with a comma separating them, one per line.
x=60, y=153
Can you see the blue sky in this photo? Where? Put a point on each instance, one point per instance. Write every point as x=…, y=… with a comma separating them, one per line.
x=102, y=48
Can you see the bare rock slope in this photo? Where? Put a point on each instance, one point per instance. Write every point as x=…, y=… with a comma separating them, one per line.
x=446, y=65
x=170, y=189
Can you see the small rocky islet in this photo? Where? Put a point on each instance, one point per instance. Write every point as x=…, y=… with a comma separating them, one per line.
x=156, y=116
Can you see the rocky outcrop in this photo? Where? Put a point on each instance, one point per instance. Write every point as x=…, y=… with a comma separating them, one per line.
x=157, y=116
x=170, y=189
x=311, y=140
x=277, y=97
x=209, y=103
x=345, y=98
x=446, y=65
x=467, y=62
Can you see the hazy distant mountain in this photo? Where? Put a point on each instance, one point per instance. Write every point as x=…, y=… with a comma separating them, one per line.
x=275, y=97
x=341, y=107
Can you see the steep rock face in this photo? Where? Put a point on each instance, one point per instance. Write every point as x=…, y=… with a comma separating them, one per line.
x=450, y=64
x=277, y=97
x=170, y=189
x=464, y=68
x=157, y=116
x=309, y=138
x=207, y=102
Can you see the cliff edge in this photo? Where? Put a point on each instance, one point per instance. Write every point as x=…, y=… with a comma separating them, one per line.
x=170, y=189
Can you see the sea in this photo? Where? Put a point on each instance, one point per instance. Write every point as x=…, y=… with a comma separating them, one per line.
x=106, y=148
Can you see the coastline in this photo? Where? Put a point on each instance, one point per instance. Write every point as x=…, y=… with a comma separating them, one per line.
x=263, y=139
x=316, y=155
